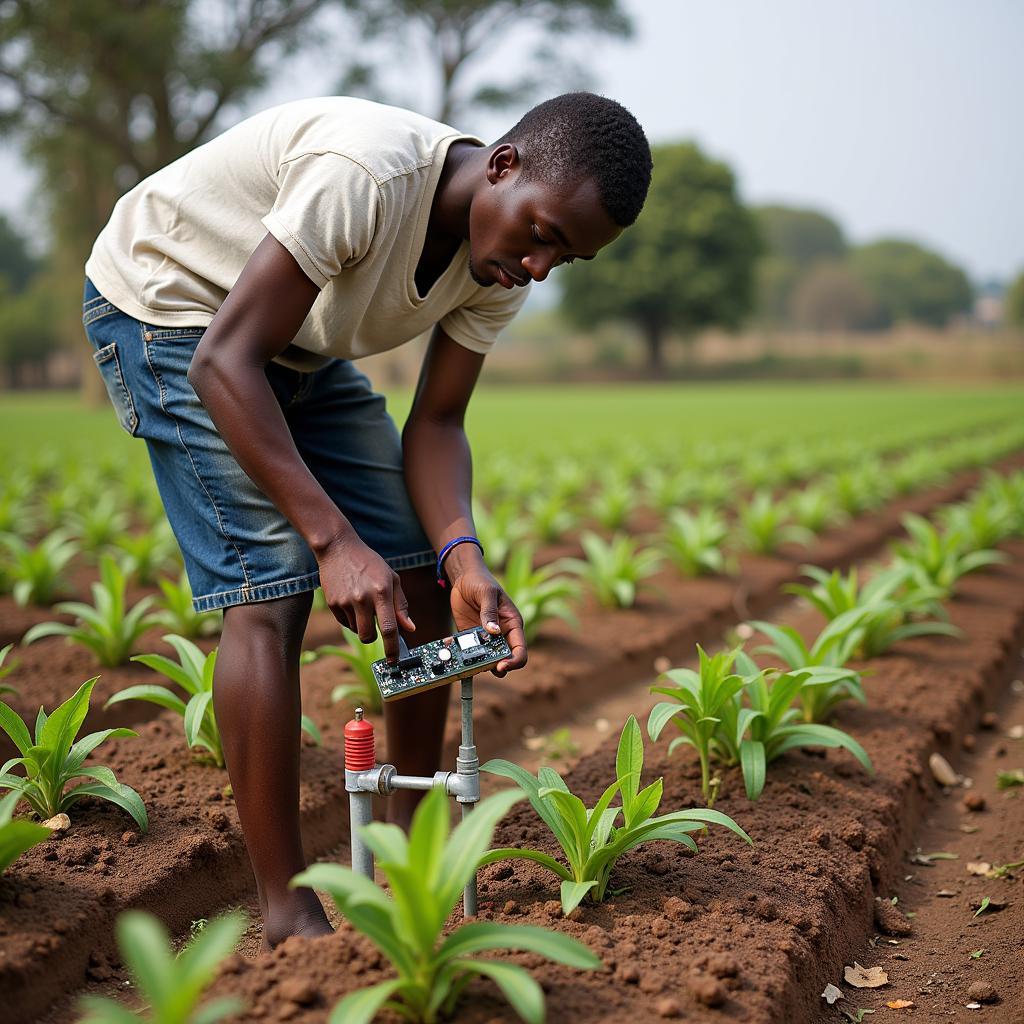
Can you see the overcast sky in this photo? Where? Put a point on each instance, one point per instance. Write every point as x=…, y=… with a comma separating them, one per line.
x=897, y=117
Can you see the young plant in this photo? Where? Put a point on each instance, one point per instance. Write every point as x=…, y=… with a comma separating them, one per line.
x=832, y=682
x=693, y=541
x=766, y=727
x=814, y=509
x=763, y=526
x=6, y=670
x=364, y=692
x=52, y=758
x=890, y=607
x=16, y=834
x=613, y=569
x=193, y=672
x=171, y=983
x=551, y=517
x=982, y=522
x=590, y=840
x=97, y=524
x=426, y=873
x=861, y=488
x=105, y=627
x=540, y=594
x=177, y=613
x=939, y=559
x=667, y=490
x=699, y=700
x=146, y=554
x=499, y=529
x=36, y=572
x=613, y=503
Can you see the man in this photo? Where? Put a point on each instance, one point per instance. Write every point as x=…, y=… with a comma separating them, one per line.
x=226, y=299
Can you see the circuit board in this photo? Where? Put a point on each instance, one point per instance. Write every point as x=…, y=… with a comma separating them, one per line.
x=439, y=662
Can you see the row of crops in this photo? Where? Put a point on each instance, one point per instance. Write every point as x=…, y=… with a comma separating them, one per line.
x=564, y=533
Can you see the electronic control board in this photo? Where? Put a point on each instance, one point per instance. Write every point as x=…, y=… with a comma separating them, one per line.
x=438, y=662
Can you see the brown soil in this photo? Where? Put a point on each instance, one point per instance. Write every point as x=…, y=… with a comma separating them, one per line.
x=193, y=860
x=735, y=933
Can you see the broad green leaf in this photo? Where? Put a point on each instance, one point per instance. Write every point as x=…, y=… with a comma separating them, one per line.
x=151, y=693
x=629, y=763
x=195, y=712
x=572, y=894
x=145, y=946
x=513, y=853
x=124, y=796
x=362, y=1006
x=12, y=724
x=752, y=763
x=478, y=936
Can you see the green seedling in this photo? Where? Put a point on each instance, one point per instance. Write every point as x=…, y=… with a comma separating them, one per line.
x=693, y=541
x=668, y=490
x=763, y=730
x=15, y=515
x=52, y=758
x=171, y=984
x=613, y=503
x=986, y=902
x=1009, y=780
x=551, y=518
x=938, y=559
x=6, y=670
x=193, y=672
x=813, y=509
x=540, y=594
x=919, y=469
x=97, y=524
x=105, y=627
x=983, y=521
x=36, y=572
x=360, y=657
x=176, y=613
x=828, y=655
x=426, y=874
x=612, y=569
x=591, y=841
x=890, y=607
x=700, y=698
x=763, y=525
x=499, y=529
x=16, y=834
x=145, y=555
x=861, y=488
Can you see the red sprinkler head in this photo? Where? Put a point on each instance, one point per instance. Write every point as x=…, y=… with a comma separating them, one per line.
x=360, y=751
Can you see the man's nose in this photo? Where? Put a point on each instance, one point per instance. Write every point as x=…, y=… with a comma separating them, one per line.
x=537, y=266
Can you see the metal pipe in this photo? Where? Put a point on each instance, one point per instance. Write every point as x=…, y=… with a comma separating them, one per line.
x=468, y=768
x=360, y=810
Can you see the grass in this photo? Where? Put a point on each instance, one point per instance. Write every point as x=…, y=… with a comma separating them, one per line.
x=530, y=416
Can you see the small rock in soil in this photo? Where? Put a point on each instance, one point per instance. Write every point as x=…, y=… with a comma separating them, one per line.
x=677, y=909
x=502, y=873
x=58, y=822
x=989, y=720
x=511, y=908
x=974, y=802
x=942, y=771
x=628, y=973
x=982, y=991
x=295, y=990
x=130, y=838
x=668, y=1007
x=969, y=742
x=890, y=920
x=708, y=991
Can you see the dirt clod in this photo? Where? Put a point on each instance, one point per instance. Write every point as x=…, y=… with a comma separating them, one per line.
x=296, y=990
x=989, y=720
x=982, y=991
x=890, y=920
x=668, y=1007
x=707, y=991
x=973, y=802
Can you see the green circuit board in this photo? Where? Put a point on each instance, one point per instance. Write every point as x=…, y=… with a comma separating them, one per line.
x=433, y=664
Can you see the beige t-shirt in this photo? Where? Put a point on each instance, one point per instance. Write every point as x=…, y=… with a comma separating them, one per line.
x=346, y=186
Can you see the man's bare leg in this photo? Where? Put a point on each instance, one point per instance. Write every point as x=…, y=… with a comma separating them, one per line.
x=257, y=702
x=415, y=725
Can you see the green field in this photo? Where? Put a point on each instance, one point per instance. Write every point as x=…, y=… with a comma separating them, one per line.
x=509, y=420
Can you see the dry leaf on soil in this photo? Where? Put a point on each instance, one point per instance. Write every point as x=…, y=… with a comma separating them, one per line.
x=865, y=977
x=831, y=994
x=978, y=867
x=942, y=770
x=900, y=1004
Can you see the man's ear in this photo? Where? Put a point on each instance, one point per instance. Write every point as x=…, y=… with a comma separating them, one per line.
x=503, y=160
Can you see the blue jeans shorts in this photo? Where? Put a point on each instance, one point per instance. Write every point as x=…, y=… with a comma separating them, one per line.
x=238, y=548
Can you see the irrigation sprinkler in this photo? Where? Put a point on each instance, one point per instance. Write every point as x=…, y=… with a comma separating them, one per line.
x=437, y=663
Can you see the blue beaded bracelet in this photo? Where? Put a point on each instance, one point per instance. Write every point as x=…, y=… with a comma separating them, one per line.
x=441, y=581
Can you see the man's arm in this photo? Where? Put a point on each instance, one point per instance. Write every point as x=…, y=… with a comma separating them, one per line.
x=439, y=477
x=257, y=321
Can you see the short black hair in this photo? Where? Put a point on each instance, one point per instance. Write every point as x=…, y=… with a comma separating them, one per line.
x=581, y=135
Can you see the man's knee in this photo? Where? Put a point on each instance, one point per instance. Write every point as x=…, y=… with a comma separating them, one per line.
x=280, y=622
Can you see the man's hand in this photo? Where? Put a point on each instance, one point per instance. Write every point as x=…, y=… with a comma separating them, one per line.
x=361, y=587
x=478, y=600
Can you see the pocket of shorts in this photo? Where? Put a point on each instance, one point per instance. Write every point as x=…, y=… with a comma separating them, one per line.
x=97, y=310
x=109, y=365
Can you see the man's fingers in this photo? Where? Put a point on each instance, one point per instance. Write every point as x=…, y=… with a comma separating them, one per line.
x=366, y=626
x=517, y=642
x=489, y=612
x=402, y=609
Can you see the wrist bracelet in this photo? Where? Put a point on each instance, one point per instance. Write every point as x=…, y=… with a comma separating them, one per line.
x=441, y=581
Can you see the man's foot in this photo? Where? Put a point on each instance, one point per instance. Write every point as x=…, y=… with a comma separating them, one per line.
x=304, y=919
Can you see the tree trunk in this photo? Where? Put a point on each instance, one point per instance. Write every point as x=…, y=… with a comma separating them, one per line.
x=654, y=336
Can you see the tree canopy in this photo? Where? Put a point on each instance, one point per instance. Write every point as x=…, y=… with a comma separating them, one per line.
x=687, y=263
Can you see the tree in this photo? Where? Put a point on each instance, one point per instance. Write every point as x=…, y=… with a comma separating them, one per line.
x=1013, y=302
x=795, y=239
x=454, y=34
x=687, y=263
x=28, y=332
x=909, y=282
x=104, y=92
x=17, y=266
x=830, y=296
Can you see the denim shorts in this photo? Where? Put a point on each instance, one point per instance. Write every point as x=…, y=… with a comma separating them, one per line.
x=238, y=548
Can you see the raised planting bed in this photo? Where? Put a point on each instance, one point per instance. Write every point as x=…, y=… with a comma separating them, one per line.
x=734, y=933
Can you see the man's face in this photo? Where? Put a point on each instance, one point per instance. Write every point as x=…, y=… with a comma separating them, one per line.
x=518, y=232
